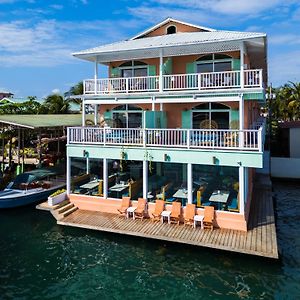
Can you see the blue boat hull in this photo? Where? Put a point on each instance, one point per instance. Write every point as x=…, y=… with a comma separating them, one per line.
x=16, y=198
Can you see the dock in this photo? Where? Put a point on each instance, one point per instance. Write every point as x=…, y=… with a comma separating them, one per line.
x=260, y=239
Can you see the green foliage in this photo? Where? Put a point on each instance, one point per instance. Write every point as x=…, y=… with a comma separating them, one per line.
x=55, y=104
x=58, y=192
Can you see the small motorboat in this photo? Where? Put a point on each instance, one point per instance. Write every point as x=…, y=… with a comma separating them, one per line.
x=31, y=187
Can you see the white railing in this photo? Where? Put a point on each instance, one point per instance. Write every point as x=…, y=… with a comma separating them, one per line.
x=175, y=82
x=241, y=140
x=121, y=85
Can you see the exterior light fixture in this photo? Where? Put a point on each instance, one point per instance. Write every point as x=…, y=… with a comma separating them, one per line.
x=85, y=153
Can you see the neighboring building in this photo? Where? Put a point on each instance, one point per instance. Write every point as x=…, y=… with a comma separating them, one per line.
x=177, y=119
x=285, y=154
x=6, y=95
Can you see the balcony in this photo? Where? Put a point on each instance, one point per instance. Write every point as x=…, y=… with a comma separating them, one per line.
x=200, y=82
x=217, y=139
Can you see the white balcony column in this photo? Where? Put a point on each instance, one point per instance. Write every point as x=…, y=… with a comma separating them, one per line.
x=87, y=164
x=161, y=106
x=161, y=70
x=242, y=54
x=241, y=190
x=190, y=182
x=145, y=179
x=96, y=74
x=68, y=174
x=105, y=178
x=96, y=107
x=83, y=112
x=241, y=121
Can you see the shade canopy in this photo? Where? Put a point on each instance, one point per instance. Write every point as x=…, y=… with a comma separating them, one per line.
x=41, y=121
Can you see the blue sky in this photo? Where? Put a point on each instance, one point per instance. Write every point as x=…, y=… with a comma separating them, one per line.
x=37, y=37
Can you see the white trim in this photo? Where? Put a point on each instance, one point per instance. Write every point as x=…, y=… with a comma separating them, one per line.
x=68, y=175
x=141, y=34
x=149, y=100
x=105, y=178
x=242, y=190
x=171, y=25
x=145, y=179
x=190, y=182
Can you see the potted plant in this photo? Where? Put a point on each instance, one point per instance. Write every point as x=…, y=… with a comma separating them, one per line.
x=57, y=197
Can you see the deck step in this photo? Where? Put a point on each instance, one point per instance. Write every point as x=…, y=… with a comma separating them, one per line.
x=61, y=204
x=65, y=208
x=68, y=212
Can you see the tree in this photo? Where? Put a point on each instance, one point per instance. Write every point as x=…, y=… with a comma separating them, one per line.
x=75, y=90
x=55, y=104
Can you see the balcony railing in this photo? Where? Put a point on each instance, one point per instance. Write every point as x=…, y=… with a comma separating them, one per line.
x=176, y=82
x=240, y=140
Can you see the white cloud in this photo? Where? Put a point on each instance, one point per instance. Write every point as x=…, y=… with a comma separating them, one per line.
x=285, y=39
x=230, y=7
x=55, y=91
x=51, y=42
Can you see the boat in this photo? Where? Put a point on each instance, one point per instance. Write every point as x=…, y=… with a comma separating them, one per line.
x=32, y=187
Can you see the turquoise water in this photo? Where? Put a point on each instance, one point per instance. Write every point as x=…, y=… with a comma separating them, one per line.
x=41, y=260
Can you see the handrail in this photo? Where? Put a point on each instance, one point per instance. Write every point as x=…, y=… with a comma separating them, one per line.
x=175, y=82
x=252, y=139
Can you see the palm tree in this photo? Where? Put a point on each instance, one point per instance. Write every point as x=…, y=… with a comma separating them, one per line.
x=75, y=90
x=55, y=104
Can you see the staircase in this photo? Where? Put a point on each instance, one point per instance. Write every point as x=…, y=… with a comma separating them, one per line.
x=63, y=209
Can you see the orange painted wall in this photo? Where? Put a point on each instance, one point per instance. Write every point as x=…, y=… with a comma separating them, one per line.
x=178, y=62
x=180, y=28
x=222, y=219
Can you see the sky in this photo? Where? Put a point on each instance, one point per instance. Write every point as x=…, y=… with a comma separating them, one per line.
x=38, y=37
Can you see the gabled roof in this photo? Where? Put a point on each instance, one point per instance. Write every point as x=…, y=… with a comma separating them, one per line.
x=172, y=45
x=166, y=21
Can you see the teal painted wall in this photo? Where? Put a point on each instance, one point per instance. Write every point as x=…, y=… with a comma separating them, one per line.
x=204, y=157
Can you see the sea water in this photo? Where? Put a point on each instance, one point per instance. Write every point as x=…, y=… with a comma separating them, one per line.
x=42, y=260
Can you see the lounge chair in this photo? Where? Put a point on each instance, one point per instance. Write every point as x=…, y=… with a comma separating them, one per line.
x=159, y=208
x=208, y=217
x=189, y=214
x=176, y=212
x=140, y=211
x=125, y=204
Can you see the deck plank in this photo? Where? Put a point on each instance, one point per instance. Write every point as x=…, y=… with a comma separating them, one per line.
x=260, y=239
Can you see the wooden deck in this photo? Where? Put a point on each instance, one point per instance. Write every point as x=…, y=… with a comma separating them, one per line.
x=259, y=240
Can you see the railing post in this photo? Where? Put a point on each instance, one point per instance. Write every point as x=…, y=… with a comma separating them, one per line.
x=259, y=139
x=144, y=137
x=127, y=85
x=188, y=138
x=104, y=136
x=260, y=79
x=242, y=74
x=199, y=81
x=68, y=135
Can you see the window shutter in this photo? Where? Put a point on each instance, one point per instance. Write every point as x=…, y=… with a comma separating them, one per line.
x=151, y=70
x=236, y=64
x=190, y=68
x=186, y=119
x=168, y=66
x=115, y=72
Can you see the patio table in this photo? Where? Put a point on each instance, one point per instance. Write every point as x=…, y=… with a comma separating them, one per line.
x=90, y=185
x=219, y=196
x=166, y=214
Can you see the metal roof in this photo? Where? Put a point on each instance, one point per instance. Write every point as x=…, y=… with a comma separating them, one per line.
x=185, y=43
x=166, y=21
x=41, y=121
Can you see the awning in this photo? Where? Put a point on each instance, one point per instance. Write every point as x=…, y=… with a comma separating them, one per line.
x=41, y=121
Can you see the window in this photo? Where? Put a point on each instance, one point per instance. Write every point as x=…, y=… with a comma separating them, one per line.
x=214, y=63
x=171, y=29
x=134, y=69
x=128, y=116
x=211, y=115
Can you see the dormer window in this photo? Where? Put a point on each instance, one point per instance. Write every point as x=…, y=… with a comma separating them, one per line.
x=171, y=29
